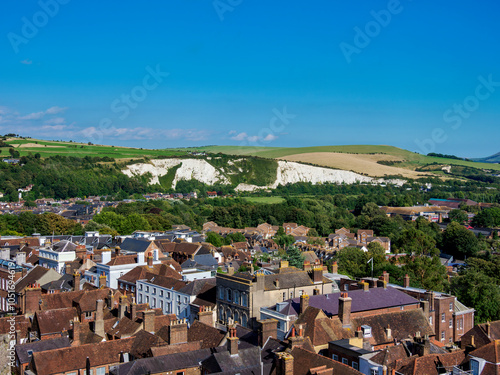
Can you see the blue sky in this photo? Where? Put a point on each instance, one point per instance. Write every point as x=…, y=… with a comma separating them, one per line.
x=420, y=75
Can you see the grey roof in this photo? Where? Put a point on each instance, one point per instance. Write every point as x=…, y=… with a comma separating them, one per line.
x=222, y=362
x=134, y=244
x=64, y=246
x=195, y=286
x=164, y=363
x=40, y=346
x=375, y=298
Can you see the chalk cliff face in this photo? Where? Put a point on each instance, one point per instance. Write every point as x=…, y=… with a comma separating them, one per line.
x=286, y=173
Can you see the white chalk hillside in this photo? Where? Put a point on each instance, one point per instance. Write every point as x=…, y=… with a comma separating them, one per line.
x=191, y=169
x=287, y=172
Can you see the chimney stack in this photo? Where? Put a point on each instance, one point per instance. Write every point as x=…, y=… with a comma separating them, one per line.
x=425, y=308
x=76, y=333
x=304, y=303
x=32, y=299
x=335, y=267
x=133, y=309
x=260, y=280
x=150, y=261
x=307, y=266
x=317, y=274
x=206, y=316
x=99, y=319
x=345, y=303
x=67, y=269
x=102, y=281
x=388, y=332
x=232, y=341
x=76, y=281
x=488, y=329
x=284, y=263
x=122, y=307
x=178, y=332
x=284, y=364
x=406, y=282
x=230, y=271
x=148, y=321
x=296, y=339
x=268, y=328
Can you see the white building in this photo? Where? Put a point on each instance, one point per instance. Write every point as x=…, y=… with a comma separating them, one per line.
x=115, y=267
x=56, y=257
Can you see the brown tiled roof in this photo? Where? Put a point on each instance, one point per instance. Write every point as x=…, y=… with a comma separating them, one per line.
x=401, y=323
x=22, y=324
x=304, y=360
x=86, y=298
x=209, y=336
x=480, y=336
x=122, y=259
x=143, y=342
x=75, y=358
x=176, y=348
x=490, y=353
x=390, y=355
x=54, y=321
x=431, y=364
x=125, y=328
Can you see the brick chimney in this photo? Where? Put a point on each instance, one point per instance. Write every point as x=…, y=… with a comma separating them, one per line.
x=335, y=267
x=345, y=303
x=268, y=328
x=67, y=268
x=178, y=331
x=99, y=318
x=102, y=281
x=122, y=307
x=317, y=274
x=307, y=266
x=488, y=329
x=206, y=316
x=425, y=308
x=297, y=337
x=76, y=281
x=76, y=333
x=385, y=276
x=150, y=261
x=232, y=341
x=284, y=365
x=304, y=302
x=32, y=299
x=133, y=309
x=260, y=279
x=148, y=321
x=110, y=299
x=406, y=281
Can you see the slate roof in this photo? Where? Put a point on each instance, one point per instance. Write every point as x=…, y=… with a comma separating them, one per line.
x=64, y=246
x=374, y=299
x=136, y=245
x=40, y=346
x=196, y=287
x=223, y=362
x=31, y=278
x=166, y=363
x=390, y=355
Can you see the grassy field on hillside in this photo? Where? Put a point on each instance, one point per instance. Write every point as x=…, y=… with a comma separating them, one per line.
x=52, y=148
x=410, y=160
x=265, y=200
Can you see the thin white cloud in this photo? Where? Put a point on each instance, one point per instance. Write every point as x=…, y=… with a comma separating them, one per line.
x=55, y=120
x=240, y=137
x=140, y=133
x=26, y=62
x=270, y=137
x=38, y=115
